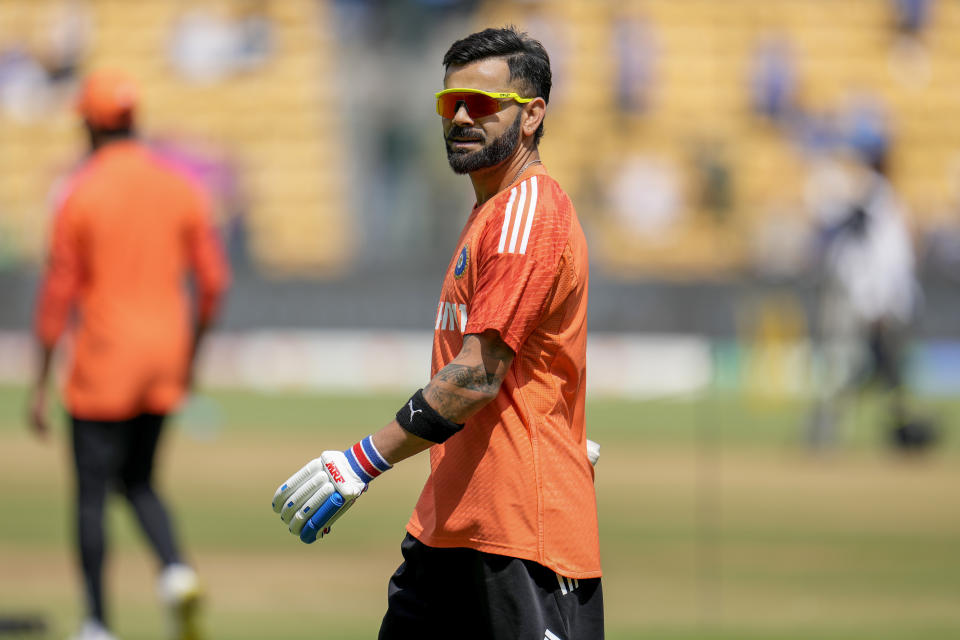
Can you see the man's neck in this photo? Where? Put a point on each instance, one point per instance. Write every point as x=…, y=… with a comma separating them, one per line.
x=492, y=180
x=101, y=139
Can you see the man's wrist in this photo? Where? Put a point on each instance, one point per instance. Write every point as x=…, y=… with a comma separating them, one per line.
x=366, y=461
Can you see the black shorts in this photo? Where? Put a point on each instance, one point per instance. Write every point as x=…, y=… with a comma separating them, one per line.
x=467, y=594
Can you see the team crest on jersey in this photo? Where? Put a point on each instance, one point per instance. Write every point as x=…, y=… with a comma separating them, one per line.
x=460, y=268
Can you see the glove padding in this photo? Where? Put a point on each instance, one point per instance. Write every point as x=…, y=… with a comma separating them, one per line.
x=313, y=498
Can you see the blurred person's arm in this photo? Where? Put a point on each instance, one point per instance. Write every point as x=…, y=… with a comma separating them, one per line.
x=211, y=274
x=57, y=292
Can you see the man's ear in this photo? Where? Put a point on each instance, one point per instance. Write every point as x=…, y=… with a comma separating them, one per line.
x=533, y=114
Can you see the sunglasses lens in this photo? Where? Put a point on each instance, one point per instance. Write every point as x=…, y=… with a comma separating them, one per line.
x=478, y=105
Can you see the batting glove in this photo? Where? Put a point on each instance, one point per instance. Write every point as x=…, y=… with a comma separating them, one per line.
x=313, y=498
x=593, y=452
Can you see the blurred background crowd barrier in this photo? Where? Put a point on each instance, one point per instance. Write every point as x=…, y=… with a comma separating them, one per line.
x=706, y=145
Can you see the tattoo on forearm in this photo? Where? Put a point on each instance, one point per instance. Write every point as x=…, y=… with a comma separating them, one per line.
x=448, y=403
x=457, y=391
x=472, y=378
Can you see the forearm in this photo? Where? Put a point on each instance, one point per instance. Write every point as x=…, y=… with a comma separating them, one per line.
x=471, y=380
x=460, y=390
x=44, y=359
x=457, y=392
x=396, y=443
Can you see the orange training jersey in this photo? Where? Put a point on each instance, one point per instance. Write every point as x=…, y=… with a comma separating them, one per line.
x=124, y=236
x=516, y=481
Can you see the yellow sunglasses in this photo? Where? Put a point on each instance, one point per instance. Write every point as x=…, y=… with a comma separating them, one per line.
x=478, y=103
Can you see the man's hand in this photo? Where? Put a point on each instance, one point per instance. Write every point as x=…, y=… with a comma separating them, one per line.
x=37, y=417
x=312, y=499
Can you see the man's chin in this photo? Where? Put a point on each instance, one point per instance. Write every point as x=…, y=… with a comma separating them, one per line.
x=461, y=162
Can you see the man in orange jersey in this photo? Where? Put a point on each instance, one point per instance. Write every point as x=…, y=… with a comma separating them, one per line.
x=127, y=231
x=503, y=542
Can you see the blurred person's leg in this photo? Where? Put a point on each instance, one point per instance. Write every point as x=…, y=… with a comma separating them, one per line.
x=909, y=429
x=886, y=343
x=136, y=473
x=886, y=350
x=178, y=585
x=96, y=450
x=837, y=354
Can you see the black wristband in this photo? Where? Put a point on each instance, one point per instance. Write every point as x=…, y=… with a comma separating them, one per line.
x=420, y=419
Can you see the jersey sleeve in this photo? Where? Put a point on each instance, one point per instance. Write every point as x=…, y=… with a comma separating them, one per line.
x=62, y=276
x=517, y=258
x=206, y=258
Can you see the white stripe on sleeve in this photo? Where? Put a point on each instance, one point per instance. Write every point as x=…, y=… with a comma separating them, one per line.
x=563, y=586
x=519, y=217
x=506, y=220
x=530, y=213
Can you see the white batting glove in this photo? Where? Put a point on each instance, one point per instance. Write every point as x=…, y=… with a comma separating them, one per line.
x=313, y=498
x=593, y=452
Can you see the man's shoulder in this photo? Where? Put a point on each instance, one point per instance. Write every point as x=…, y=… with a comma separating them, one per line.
x=175, y=173
x=71, y=185
x=554, y=197
x=528, y=217
x=540, y=194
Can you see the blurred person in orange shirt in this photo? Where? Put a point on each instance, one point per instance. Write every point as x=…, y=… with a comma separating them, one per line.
x=504, y=541
x=128, y=229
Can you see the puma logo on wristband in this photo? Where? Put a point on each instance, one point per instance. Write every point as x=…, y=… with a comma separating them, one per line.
x=423, y=421
x=413, y=411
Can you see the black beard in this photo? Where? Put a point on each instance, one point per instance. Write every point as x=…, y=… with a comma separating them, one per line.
x=487, y=156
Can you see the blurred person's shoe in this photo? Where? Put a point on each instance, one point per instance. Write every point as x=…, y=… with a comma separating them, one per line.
x=916, y=434
x=180, y=592
x=92, y=630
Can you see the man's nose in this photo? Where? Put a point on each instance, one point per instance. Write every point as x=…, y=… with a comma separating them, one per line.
x=461, y=117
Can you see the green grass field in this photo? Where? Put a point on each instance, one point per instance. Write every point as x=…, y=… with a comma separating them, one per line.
x=715, y=523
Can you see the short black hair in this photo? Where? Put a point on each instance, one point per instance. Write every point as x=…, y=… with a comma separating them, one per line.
x=527, y=59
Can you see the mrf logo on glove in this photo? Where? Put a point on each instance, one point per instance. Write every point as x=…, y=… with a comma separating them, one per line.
x=335, y=473
x=312, y=499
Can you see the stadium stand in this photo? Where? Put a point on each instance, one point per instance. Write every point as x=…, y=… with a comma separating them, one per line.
x=843, y=49
x=280, y=122
x=716, y=177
